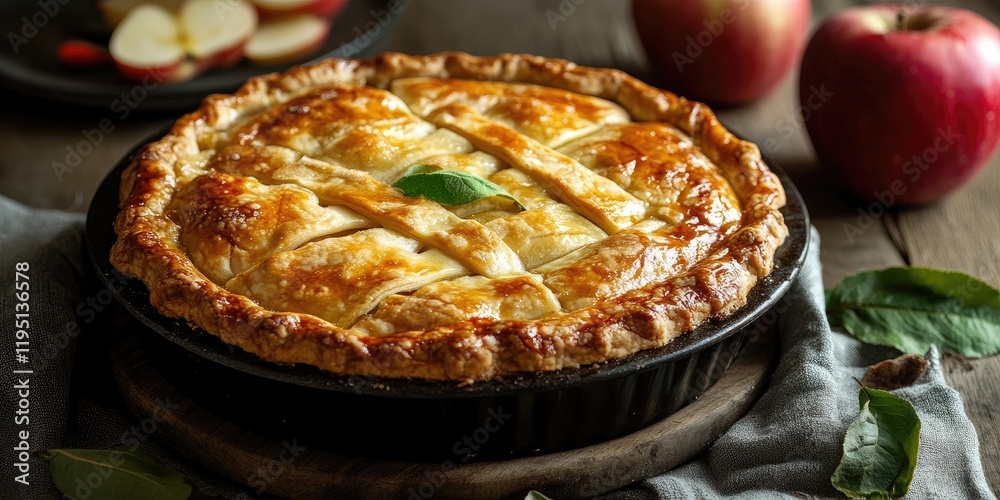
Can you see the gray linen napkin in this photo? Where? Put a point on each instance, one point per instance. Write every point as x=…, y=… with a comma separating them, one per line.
x=786, y=446
x=49, y=242
x=791, y=441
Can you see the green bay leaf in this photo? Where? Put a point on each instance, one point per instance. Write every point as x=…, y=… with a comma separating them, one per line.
x=536, y=495
x=911, y=308
x=114, y=474
x=880, y=448
x=448, y=187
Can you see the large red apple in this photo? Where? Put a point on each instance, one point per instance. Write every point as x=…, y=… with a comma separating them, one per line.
x=722, y=51
x=903, y=102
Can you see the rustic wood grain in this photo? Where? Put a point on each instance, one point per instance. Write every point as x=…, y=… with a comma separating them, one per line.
x=216, y=442
x=960, y=233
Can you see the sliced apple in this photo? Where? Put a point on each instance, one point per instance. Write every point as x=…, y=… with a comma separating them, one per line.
x=273, y=9
x=217, y=31
x=287, y=39
x=147, y=44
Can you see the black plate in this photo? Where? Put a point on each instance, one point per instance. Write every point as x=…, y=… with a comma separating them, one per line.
x=551, y=411
x=33, y=68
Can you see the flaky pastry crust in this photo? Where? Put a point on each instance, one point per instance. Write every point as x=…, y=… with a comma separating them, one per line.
x=151, y=244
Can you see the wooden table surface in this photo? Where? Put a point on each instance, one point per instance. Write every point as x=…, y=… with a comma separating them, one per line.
x=961, y=232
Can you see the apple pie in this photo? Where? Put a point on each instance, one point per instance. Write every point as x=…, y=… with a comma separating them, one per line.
x=272, y=217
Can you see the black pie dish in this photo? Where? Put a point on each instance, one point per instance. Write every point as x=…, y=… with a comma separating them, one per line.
x=421, y=420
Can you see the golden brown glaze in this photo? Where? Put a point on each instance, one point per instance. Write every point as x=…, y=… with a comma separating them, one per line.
x=547, y=115
x=267, y=217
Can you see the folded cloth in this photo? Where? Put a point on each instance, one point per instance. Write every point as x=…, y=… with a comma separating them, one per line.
x=790, y=442
x=71, y=396
x=786, y=446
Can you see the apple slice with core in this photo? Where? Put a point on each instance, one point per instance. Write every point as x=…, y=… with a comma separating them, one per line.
x=146, y=44
x=273, y=9
x=216, y=31
x=287, y=39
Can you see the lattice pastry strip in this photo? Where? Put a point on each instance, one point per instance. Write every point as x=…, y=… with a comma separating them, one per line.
x=547, y=115
x=446, y=303
x=661, y=166
x=597, y=198
x=354, y=127
x=426, y=221
x=627, y=261
x=229, y=224
x=544, y=231
x=340, y=279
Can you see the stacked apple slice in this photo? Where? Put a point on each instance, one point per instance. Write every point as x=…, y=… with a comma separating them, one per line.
x=154, y=42
x=287, y=38
x=291, y=28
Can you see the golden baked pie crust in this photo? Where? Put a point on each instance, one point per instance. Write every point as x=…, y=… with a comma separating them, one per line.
x=609, y=325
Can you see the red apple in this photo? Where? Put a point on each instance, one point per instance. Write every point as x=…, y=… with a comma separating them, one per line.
x=287, y=39
x=722, y=51
x=146, y=44
x=272, y=9
x=908, y=105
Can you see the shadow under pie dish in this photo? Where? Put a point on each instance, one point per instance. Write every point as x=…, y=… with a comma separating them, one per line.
x=268, y=218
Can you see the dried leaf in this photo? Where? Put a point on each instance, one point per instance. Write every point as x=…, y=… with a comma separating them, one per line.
x=895, y=373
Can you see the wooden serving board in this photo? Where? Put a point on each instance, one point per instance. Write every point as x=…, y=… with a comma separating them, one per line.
x=246, y=456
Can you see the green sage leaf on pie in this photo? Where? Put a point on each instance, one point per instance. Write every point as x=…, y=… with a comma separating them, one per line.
x=448, y=187
x=911, y=308
x=880, y=449
x=114, y=474
x=536, y=495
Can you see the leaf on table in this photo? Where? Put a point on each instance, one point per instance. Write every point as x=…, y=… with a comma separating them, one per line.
x=114, y=474
x=448, y=187
x=880, y=448
x=912, y=308
x=536, y=495
x=895, y=373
